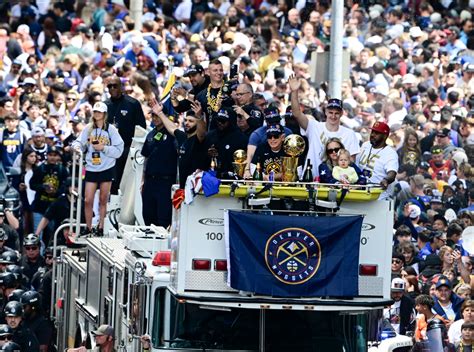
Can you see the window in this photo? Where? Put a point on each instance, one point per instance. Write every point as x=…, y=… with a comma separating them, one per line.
x=194, y=327
x=158, y=316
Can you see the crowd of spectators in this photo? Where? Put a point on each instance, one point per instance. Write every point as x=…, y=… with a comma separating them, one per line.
x=209, y=78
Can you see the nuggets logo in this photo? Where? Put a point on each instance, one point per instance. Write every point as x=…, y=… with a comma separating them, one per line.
x=293, y=255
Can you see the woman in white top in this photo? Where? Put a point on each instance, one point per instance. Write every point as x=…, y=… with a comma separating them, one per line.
x=28, y=163
x=102, y=146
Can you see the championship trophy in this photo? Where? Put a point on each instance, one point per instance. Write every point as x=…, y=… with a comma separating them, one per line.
x=293, y=146
x=240, y=157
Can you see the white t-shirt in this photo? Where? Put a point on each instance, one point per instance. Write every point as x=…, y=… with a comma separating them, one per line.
x=454, y=332
x=318, y=134
x=378, y=161
x=393, y=315
x=448, y=309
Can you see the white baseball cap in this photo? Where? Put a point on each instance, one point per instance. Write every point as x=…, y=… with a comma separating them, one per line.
x=37, y=131
x=398, y=285
x=99, y=106
x=415, y=211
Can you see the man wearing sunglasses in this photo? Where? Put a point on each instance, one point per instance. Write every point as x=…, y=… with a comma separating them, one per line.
x=125, y=113
x=6, y=334
x=272, y=117
x=437, y=240
x=270, y=153
x=32, y=260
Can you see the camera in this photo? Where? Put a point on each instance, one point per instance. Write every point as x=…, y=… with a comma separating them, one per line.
x=229, y=87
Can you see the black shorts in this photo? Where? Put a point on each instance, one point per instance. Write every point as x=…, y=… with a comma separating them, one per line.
x=100, y=176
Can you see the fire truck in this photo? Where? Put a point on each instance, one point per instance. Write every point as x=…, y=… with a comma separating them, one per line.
x=173, y=284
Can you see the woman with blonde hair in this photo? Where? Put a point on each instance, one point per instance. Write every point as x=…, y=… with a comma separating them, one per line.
x=329, y=160
x=102, y=145
x=447, y=258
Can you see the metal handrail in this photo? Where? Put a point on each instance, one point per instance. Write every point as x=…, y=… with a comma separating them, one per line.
x=77, y=157
x=53, y=280
x=299, y=184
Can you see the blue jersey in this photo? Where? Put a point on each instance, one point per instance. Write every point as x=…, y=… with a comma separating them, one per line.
x=12, y=145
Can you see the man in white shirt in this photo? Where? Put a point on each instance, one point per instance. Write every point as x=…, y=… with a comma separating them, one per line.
x=319, y=132
x=377, y=160
x=401, y=313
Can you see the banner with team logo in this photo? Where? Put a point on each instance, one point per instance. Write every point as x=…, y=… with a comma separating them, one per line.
x=293, y=256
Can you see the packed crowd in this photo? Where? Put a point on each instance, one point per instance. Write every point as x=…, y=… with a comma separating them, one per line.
x=210, y=78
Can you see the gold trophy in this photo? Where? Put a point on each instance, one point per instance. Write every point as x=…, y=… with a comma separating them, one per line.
x=240, y=157
x=293, y=146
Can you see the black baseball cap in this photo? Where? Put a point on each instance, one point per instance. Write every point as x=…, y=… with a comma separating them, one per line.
x=273, y=130
x=193, y=69
x=54, y=149
x=444, y=132
x=226, y=114
x=272, y=115
x=334, y=104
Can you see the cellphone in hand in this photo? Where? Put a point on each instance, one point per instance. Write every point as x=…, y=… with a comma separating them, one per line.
x=234, y=70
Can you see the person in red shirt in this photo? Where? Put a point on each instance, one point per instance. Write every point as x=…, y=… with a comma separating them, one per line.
x=439, y=168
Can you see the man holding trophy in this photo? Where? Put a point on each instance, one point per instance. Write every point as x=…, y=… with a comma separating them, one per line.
x=278, y=156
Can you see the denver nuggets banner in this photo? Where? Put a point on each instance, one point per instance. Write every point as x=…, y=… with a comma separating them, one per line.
x=293, y=256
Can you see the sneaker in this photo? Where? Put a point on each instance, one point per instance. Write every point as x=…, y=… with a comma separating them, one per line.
x=85, y=232
x=99, y=232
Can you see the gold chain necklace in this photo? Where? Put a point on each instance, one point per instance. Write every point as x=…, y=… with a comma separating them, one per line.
x=213, y=102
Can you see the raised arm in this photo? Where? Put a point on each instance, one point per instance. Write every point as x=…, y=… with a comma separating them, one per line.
x=295, y=104
x=201, y=128
x=157, y=109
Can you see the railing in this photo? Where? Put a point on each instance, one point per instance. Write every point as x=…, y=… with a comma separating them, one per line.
x=76, y=193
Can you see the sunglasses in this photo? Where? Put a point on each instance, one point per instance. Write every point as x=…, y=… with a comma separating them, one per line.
x=31, y=248
x=255, y=52
x=333, y=150
x=396, y=261
x=71, y=99
x=49, y=257
x=273, y=135
x=112, y=86
x=6, y=337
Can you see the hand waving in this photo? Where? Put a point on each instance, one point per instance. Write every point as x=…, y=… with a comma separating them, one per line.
x=294, y=83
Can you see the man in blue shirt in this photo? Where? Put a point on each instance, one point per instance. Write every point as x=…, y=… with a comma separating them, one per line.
x=140, y=46
x=437, y=240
